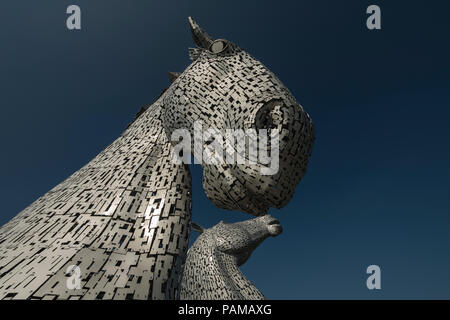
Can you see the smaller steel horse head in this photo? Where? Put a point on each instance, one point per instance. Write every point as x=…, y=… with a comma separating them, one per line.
x=211, y=268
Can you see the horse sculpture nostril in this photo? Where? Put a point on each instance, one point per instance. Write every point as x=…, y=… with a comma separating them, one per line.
x=275, y=229
x=275, y=221
x=273, y=225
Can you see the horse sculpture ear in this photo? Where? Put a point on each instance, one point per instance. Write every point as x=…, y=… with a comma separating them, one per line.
x=197, y=228
x=200, y=37
x=194, y=53
x=173, y=76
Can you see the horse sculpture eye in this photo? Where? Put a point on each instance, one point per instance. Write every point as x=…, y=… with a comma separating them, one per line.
x=270, y=116
x=218, y=46
x=265, y=121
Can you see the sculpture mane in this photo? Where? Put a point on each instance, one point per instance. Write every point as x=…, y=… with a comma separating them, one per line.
x=122, y=219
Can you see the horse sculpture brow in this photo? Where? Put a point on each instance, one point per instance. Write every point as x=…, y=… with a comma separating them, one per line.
x=126, y=215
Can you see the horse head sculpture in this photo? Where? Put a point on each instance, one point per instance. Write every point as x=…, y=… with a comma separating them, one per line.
x=226, y=88
x=211, y=269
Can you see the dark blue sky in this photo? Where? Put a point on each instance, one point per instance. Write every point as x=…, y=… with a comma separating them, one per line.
x=378, y=185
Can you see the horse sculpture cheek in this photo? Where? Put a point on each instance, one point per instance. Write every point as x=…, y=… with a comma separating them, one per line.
x=211, y=269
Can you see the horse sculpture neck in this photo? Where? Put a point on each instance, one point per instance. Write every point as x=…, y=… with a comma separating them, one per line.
x=209, y=274
x=123, y=219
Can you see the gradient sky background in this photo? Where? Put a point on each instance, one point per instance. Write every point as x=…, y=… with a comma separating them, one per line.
x=378, y=185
